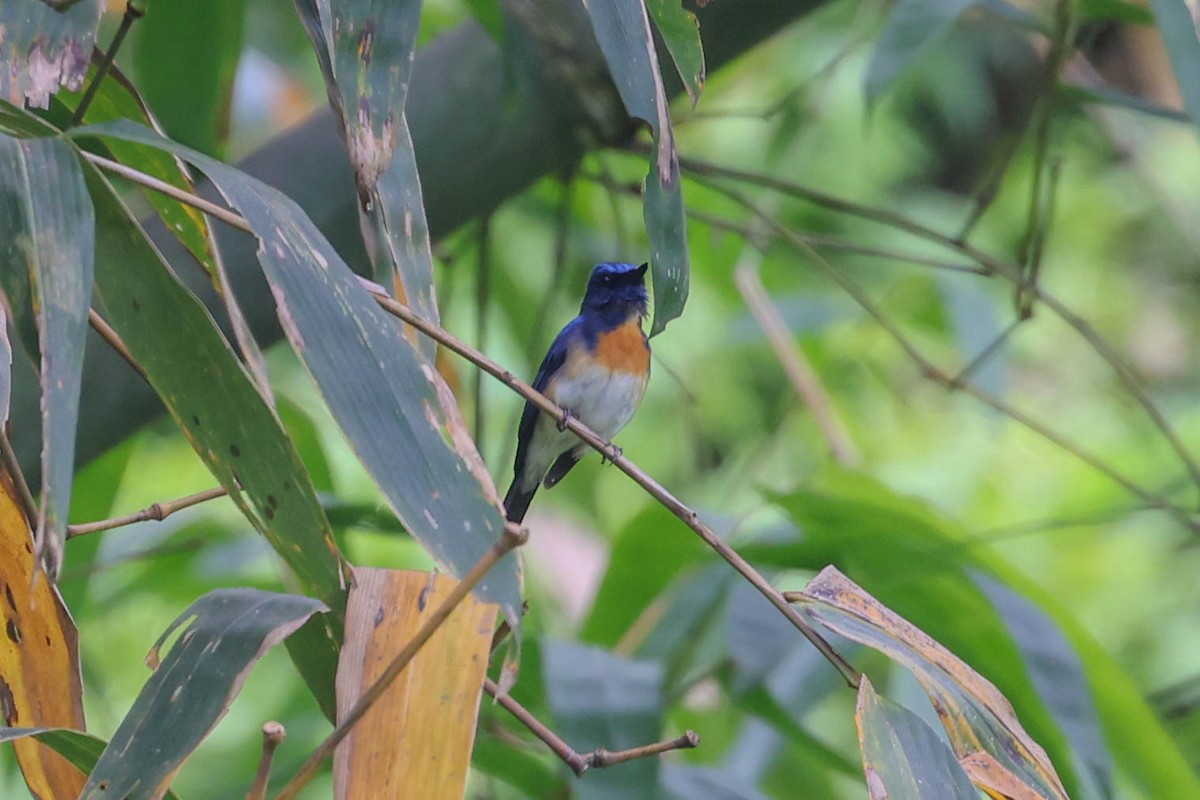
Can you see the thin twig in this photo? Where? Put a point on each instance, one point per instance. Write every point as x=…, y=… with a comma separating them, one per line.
x=512, y=536
x=12, y=466
x=600, y=757
x=157, y=511
x=804, y=380
x=132, y=13
x=215, y=211
x=101, y=326
x=273, y=736
x=555, y=742
x=614, y=455
x=699, y=170
x=596, y=759
x=931, y=371
x=985, y=354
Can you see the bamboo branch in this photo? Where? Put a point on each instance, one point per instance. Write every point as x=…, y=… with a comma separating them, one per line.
x=931, y=371
x=157, y=511
x=613, y=454
x=101, y=326
x=273, y=735
x=132, y=13
x=596, y=759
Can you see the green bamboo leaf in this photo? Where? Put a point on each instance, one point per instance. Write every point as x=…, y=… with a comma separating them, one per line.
x=47, y=233
x=636, y=575
x=911, y=28
x=680, y=30
x=902, y=756
x=365, y=48
x=186, y=56
x=228, y=630
x=42, y=49
x=81, y=749
x=601, y=700
x=215, y=404
x=623, y=30
x=394, y=408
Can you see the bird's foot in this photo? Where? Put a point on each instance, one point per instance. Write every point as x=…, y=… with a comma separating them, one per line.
x=611, y=454
x=567, y=416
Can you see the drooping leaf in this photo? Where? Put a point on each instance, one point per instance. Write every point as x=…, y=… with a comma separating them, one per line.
x=680, y=30
x=912, y=26
x=416, y=740
x=623, y=30
x=902, y=756
x=1178, y=29
x=186, y=55
x=42, y=49
x=393, y=407
x=976, y=716
x=79, y=748
x=47, y=231
x=600, y=700
x=365, y=48
x=666, y=228
x=40, y=684
x=168, y=332
x=191, y=689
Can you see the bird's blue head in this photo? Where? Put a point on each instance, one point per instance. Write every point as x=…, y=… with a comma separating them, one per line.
x=616, y=290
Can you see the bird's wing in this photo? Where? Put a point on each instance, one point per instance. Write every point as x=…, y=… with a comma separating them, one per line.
x=556, y=356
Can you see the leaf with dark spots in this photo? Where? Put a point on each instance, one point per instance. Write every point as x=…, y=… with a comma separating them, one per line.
x=168, y=337
x=228, y=631
x=393, y=407
x=42, y=49
x=39, y=657
x=47, y=232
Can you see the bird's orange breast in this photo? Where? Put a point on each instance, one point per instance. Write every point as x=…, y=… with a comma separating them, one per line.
x=624, y=349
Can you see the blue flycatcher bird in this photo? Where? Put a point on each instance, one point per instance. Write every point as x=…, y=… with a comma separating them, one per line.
x=597, y=370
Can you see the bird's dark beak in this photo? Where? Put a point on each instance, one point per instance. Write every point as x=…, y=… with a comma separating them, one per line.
x=641, y=271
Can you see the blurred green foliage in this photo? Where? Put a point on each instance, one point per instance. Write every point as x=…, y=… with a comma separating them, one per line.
x=723, y=429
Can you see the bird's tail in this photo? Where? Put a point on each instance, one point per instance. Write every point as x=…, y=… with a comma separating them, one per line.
x=517, y=501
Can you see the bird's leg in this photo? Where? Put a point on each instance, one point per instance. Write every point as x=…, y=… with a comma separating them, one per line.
x=567, y=416
x=611, y=455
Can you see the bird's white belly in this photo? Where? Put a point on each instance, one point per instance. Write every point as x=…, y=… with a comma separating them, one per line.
x=603, y=400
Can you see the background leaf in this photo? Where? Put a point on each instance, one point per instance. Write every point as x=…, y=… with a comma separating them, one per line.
x=79, y=748
x=680, y=30
x=600, y=700
x=186, y=56
x=912, y=26
x=228, y=630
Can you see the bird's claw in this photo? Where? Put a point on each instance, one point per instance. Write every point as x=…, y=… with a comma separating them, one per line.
x=611, y=455
x=567, y=416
